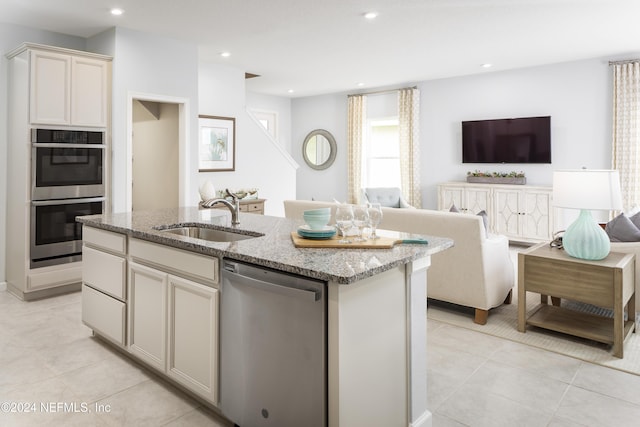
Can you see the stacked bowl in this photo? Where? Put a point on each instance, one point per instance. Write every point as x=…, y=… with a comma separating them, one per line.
x=317, y=219
x=316, y=227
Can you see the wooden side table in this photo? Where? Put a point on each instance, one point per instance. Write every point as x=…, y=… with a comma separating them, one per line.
x=255, y=206
x=608, y=283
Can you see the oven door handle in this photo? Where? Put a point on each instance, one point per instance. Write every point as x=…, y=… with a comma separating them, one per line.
x=66, y=201
x=63, y=145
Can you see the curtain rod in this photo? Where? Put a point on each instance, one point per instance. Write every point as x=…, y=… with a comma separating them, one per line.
x=379, y=92
x=624, y=61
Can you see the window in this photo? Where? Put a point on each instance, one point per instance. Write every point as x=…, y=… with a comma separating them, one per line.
x=268, y=119
x=381, y=154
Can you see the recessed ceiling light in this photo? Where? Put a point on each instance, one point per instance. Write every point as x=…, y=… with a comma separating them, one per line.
x=117, y=11
x=487, y=65
x=371, y=15
x=360, y=84
x=225, y=54
x=290, y=91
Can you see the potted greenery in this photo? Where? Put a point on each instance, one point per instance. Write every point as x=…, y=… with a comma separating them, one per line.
x=497, y=177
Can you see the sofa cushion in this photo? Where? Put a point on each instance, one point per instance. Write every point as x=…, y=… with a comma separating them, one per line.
x=622, y=229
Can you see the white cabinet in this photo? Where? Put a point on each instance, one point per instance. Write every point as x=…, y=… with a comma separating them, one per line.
x=148, y=314
x=521, y=212
x=104, y=283
x=48, y=87
x=465, y=198
x=68, y=89
x=524, y=213
x=193, y=336
x=173, y=314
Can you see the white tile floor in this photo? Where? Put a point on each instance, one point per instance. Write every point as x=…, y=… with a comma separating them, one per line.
x=47, y=357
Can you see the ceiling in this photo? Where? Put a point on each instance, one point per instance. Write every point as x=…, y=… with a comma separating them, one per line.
x=324, y=46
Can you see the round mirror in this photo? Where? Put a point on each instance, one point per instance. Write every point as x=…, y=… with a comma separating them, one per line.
x=319, y=149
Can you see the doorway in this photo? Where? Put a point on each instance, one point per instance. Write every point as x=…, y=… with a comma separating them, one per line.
x=155, y=155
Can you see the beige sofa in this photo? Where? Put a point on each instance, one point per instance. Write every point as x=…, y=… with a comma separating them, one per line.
x=477, y=272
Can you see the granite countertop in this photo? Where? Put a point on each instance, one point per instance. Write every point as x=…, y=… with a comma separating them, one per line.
x=274, y=249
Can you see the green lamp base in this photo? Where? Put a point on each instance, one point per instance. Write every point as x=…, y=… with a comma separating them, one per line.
x=585, y=239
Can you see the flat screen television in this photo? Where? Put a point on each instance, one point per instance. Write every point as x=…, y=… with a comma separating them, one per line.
x=521, y=140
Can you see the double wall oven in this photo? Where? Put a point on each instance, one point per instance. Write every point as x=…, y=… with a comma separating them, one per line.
x=67, y=180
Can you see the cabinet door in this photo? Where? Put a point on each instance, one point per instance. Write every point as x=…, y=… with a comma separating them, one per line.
x=477, y=199
x=193, y=336
x=89, y=79
x=50, y=88
x=148, y=314
x=507, y=212
x=450, y=195
x=537, y=219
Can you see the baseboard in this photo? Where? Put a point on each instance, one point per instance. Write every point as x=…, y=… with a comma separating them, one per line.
x=3, y=286
x=425, y=420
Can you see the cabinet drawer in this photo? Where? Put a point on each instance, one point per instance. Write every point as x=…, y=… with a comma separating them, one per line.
x=114, y=242
x=104, y=272
x=254, y=207
x=104, y=314
x=183, y=263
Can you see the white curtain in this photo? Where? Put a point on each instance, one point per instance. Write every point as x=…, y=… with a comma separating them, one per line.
x=626, y=133
x=409, y=129
x=357, y=111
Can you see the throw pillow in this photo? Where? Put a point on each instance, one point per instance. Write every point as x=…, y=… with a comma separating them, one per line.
x=635, y=219
x=621, y=229
x=485, y=220
x=454, y=208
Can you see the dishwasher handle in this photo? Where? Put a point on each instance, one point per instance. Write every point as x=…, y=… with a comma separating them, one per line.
x=305, y=294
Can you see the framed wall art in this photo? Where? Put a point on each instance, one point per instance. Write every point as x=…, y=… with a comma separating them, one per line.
x=217, y=144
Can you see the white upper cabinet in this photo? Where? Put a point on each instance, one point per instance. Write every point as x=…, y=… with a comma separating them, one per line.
x=89, y=86
x=68, y=90
x=50, y=88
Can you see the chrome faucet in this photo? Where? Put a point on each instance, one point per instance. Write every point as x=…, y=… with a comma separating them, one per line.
x=234, y=207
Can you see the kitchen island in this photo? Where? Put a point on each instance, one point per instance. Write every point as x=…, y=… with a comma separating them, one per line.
x=375, y=311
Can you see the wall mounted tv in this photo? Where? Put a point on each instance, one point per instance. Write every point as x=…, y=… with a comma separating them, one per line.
x=521, y=140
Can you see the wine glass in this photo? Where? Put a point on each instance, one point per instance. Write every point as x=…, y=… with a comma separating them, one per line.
x=375, y=217
x=344, y=221
x=360, y=221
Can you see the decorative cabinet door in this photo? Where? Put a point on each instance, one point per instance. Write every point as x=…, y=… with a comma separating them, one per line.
x=450, y=195
x=507, y=212
x=477, y=199
x=537, y=218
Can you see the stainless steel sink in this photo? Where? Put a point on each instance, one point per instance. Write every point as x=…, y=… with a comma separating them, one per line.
x=209, y=234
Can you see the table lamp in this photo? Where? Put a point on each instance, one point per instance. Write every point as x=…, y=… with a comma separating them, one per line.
x=586, y=190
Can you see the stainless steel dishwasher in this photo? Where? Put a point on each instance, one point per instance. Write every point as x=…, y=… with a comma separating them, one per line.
x=273, y=362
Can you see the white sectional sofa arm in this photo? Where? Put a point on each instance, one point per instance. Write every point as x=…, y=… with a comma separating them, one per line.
x=495, y=255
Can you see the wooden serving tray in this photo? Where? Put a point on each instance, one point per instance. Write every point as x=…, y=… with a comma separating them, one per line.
x=380, y=243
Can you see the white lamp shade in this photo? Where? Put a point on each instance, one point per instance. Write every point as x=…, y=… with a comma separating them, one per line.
x=587, y=189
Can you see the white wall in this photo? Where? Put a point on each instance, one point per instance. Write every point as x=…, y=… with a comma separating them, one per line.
x=149, y=64
x=327, y=112
x=11, y=36
x=259, y=162
x=577, y=96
